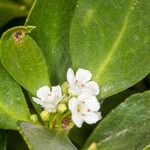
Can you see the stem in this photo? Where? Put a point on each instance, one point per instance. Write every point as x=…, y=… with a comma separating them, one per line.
x=51, y=120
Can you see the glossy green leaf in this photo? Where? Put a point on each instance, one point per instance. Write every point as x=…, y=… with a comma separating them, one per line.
x=111, y=39
x=3, y=140
x=23, y=59
x=53, y=21
x=41, y=138
x=126, y=127
x=111, y=102
x=10, y=10
x=13, y=106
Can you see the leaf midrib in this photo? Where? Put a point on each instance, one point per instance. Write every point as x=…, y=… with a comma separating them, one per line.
x=6, y=110
x=114, y=47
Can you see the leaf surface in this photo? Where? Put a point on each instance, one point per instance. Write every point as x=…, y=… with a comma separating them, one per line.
x=41, y=138
x=109, y=39
x=23, y=59
x=13, y=105
x=126, y=127
x=53, y=21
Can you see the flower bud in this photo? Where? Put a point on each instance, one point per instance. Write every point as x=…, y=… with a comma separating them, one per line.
x=62, y=108
x=65, y=87
x=45, y=116
x=93, y=146
x=34, y=118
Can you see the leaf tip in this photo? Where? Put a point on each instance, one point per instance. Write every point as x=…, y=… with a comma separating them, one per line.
x=30, y=28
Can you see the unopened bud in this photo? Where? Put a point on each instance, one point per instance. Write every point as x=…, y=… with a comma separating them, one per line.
x=65, y=87
x=93, y=146
x=62, y=108
x=45, y=116
x=34, y=118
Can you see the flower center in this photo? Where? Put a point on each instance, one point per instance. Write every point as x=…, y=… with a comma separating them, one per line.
x=82, y=108
x=78, y=108
x=79, y=84
x=49, y=98
x=49, y=94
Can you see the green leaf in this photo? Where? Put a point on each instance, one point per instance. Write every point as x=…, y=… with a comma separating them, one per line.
x=13, y=106
x=3, y=140
x=10, y=10
x=126, y=127
x=109, y=39
x=113, y=101
x=53, y=21
x=41, y=138
x=23, y=59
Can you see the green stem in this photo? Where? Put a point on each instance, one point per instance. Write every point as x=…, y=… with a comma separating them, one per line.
x=51, y=120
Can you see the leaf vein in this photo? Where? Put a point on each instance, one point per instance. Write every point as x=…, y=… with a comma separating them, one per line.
x=102, y=67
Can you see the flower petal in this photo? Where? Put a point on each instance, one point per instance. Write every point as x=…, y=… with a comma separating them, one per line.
x=50, y=108
x=92, y=117
x=91, y=87
x=70, y=76
x=43, y=92
x=75, y=90
x=56, y=91
x=83, y=75
x=77, y=119
x=91, y=101
x=38, y=101
x=73, y=105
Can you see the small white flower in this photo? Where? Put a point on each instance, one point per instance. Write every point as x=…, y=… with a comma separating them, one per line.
x=84, y=109
x=47, y=98
x=80, y=83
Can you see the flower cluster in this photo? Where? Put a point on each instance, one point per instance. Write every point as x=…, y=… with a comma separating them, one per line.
x=81, y=98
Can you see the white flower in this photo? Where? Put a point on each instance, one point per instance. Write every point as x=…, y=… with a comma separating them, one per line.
x=84, y=109
x=80, y=83
x=48, y=99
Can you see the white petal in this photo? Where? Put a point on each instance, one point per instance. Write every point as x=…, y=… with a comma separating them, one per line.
x=56, y=91
x=91, y=101
x=84, y=97
x=77, y=119
x=43, y=92
x=91, y=87
x=73, y=105
x=58, y=100
x=83, y=75
x=50, y=108
x=75, y=90
x=70, y=76
x=38, y=101
x=92, y=117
